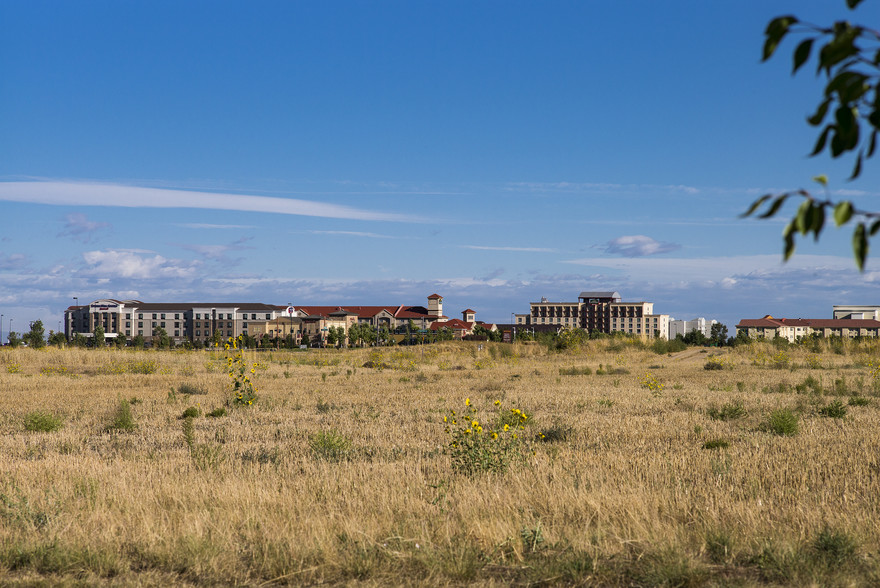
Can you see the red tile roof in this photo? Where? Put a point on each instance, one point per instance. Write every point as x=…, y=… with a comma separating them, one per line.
x=770, y=322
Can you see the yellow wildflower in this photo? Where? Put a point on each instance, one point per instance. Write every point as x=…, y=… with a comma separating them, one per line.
x=467, y=401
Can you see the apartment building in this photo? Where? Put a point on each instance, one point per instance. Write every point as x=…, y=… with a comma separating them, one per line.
x=792, y=329
x=604, y=312
x=182, y=321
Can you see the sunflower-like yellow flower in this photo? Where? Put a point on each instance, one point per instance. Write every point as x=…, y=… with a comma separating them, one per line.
x=467, y=401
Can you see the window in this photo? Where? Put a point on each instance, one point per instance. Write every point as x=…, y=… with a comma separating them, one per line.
x=176, y=325
x=198, y=315
x=140, y=332
x=154, y=315
x=140, y=315
x=228, y=325
x=268, y=316
x=198, y=333
x=244, y=326
x=177, y=333
x=176, y=315
x=128, y=324
x=140, y=324
x=254, y=316
x=163, y=315
x=154, y=324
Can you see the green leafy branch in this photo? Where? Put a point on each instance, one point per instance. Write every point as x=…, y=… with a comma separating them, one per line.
x=850, y=61
x=848, y=56
x=810, y=218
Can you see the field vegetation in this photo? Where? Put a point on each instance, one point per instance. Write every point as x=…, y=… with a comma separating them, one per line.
x=604, y=462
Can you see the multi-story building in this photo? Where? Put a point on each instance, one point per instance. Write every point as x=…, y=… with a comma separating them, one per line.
x=182, y=321
x=793, y=329
x=604, y=312
x=684, y=327
x=844, y=311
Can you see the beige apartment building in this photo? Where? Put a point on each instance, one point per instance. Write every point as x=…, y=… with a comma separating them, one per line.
x=182, y=321
x=604, y=312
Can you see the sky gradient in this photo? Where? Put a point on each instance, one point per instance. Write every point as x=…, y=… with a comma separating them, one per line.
x=378, y=152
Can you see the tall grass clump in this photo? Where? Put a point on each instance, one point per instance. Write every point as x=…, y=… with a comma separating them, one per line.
x=123, y=420
x=330, y=446
x=727, y=412
x=42, y=422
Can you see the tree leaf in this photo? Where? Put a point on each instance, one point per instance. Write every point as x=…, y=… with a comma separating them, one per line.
x=818, y=220
x=843, y=211
x=820, y=113
x=820, y=142
x=776, y=30
x=875, y=227
x=821, y=179
x=860, y=246
x=774, y=208
x=853, y=3
x=804, y=217
x=802, y=54
x=788, y=236
x=756, y=204
x=857, y=168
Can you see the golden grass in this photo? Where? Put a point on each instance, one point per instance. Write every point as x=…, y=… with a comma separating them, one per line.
x=629, y=497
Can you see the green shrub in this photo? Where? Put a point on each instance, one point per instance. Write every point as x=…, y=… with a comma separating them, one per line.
x=191, y=389
x=555, y=434
x=834, y=548
x=217, y=412
x=122, y=418
x=834, y=410
x=716, y=444
x=330, y=445
x=782, y=422
x=191, y=413
x=810, y=384
x=575, y=371
x=859, y=401
x=727, y=412
x=42, y=422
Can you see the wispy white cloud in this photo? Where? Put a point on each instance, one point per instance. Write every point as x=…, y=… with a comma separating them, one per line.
x=77, y=226
x=94, y=194
x=217, y=252
x=353, y=234
x=638, y=246
x=212, y=226
x=136, y=264
x=12, y=261
x=520, y=249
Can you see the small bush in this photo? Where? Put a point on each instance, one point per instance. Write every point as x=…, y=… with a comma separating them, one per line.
x=575, y=371
x=834, y=410
x=714, y=363
x=782, y=422
x=859, y=401
x=833, y=547
x=42, y=422
x=191, y=389
x=727, y=412
x=324, y=407
x=122, y=418
x=716, y=444
x=330, y=446
x=555, y=434
x=217, y=412
x=191, y=413
x=810, y=384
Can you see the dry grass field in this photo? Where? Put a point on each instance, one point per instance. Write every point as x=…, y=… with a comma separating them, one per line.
x=636, y=468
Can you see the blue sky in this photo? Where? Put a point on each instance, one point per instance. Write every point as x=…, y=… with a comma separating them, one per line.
x=378, y=152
